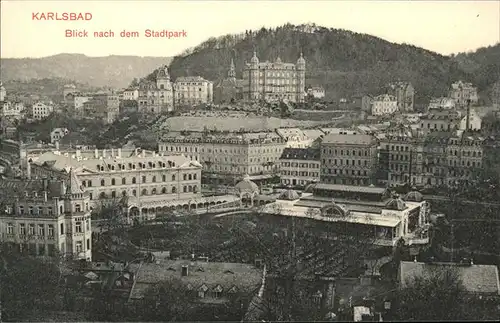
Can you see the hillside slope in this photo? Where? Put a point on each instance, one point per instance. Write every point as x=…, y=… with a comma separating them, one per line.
x=114, y=71
x=344, y=62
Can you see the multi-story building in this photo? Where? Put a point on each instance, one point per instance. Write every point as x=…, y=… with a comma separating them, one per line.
x=300, y=166
x=227, y=158
x=57, y=133
x=130, y=94
x=298, y=138
x=404, y=94
x=156, y=97
x=349, y=159
x=51, y=217
x=471, y=121
x=274, y=81
x=102, y=106
x=465, y=153
x=192, y=90
x=441, y=103
x=145, y=180
x=41, y=110
x=317, y=92
x=462, y=93
x=440, y=120
x=384, y=105
x=229, y=89
x=12, y=109
x=78, y=103
x=3, y=92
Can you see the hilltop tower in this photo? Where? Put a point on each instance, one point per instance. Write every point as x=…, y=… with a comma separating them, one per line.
x=254, y=77
x=301, y=78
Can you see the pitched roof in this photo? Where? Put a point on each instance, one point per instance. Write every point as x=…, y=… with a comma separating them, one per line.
x=210, y=274
x=350, y=139
x=301, y=153
x=481, y=279
x=351, y=188
x=74, y=185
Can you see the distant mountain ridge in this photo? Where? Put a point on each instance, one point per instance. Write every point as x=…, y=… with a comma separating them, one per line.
x=113, y=71
x=345, y=63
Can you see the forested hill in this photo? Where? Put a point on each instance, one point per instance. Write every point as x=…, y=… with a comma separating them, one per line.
x=114, y=71
x=344, y=62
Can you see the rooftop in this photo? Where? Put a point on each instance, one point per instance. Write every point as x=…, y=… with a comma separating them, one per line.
x=301, y=153
x=349, y=139
x=242, y=277
x=481, y=279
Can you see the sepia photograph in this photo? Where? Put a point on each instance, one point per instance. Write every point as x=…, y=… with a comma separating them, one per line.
x=249, y=161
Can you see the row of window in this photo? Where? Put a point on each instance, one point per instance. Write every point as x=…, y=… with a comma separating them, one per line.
x=303, y=165
x=31, y=229
x=139, y=165
x=345, y=172
x=153, y=191
x=294, y=173
x=345, y=162
x=185, y=177
x=48, y=210
x=220, y=150
x=362, y=152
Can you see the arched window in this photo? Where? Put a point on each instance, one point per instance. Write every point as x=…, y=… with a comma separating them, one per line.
x=185, y=176
x=174, y=190
x=84, y=183
x=103, y=183
x=164, y=190
x=184, y=188
x=134, y=192
x=61, y=210
x=173, y=177
x=144, y=192
x=190, y=177
x=195, y=189
x=190, y=188
x=154, y=179
x=164, y=178
x=153, y=191
x=113, y=194
x=124, y=193
x=102, y=195
x=124, y=181
x=98, y=167
x=194, y=176
x=133, y=180
x=113, y=182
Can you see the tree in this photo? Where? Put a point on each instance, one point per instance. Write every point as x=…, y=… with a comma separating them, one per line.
x=439, y=295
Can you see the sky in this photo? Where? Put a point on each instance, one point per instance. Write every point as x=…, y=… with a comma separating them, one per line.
x=442, y=26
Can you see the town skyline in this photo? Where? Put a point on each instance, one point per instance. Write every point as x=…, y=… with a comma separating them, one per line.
x=447, y=27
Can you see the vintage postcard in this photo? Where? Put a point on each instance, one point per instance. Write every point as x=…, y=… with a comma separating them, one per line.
x=249, y=161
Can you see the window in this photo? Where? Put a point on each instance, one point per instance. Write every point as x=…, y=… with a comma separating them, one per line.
x=78, y=226
x=164, y=178
x=10, y=228
x=103, y=183
x=41, y=230
x=164, y=190
x=87, y=225
x=31, y=210
x=78, y=208
x=134, y=192
x=31, y=229
x=40, y=210
x=184, y=189
x=133, y=180
x=89, y=184
x=50, y=230
x=154, y=179
x=88, y=244
x=218, y=291
x=144, y=192
x=184, y=176
x=173, y=177
x=22, y=229
x=174, y=190
x=21, y=210
x=124, y=181
x=144, y=179
x=113, y=182
x=79, y=246
x=62, y=228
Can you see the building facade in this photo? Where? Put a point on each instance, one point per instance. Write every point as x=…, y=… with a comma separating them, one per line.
x=52, y=218
x=404, y=94
x=229, y=89
x=274, y=81
x=317, y=92
x=349, y=159
x=300, y=166
x=57, y=133
x=102, y=106
x=192, y=90
x=130, y=94
x=226, y=159
x=298, y=138
x=384, y=105
x=148, y=181
x=3, y=92
x=440, y=120
x=12, y=109
x=441, y=103
x=462, y=93
x=156, y=97
x=41, y=110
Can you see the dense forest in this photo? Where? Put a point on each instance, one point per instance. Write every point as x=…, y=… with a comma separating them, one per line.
x=344, y=62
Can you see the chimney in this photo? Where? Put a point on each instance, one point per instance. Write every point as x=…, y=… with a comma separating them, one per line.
x=57, y=145
x=143, y=153
x=184, y=270
x=104, y=153
x=119, y=153
x=96, y=153
x=112, y=153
